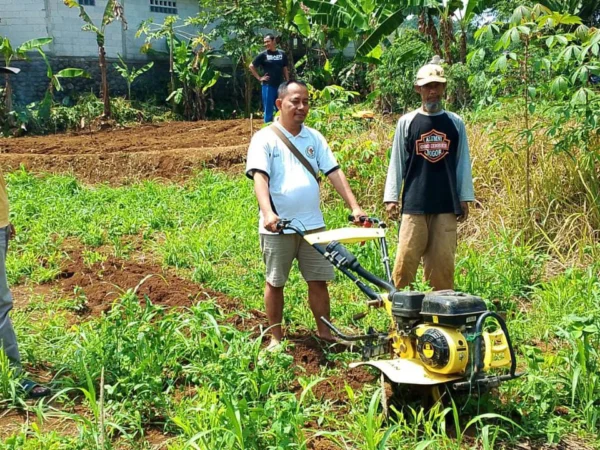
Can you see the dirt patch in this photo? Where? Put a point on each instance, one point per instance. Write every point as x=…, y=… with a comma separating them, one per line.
x=24, y=294
x=157, y=439
x=103, y=282
x=310, y=357
x=334, y=388
x=12, y=422
x=309, y=354
x=321, y=443
x=165, y=151
x=569, y=442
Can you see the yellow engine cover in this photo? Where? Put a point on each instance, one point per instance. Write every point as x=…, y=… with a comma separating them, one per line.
x=442, y=350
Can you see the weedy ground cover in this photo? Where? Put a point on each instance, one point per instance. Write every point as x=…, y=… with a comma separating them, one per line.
x=205, y=383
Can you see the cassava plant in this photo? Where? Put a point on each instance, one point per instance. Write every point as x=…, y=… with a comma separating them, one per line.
x=172, y=33
x=550, y=58
x=113, y=11
x=130, y=74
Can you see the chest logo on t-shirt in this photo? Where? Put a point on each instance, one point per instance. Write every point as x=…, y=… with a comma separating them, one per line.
x=433, y=146
x=277, y=57
x=310, y=152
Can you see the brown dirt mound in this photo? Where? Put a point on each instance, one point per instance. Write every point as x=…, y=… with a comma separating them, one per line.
x=12, y=422
x=169, y=150
x=321, y=443
x=310, y=357
x=103, y=282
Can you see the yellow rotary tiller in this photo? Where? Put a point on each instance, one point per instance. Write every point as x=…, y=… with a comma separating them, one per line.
x=436, y=339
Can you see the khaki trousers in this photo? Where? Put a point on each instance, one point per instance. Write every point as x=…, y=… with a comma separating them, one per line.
x=433, y=238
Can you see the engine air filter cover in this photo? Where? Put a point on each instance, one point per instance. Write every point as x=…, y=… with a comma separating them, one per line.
x=452, y=308
x=407, y=304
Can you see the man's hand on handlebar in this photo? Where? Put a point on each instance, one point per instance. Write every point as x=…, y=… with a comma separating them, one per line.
x=392, y=210
x=270, y=221
x=357, y=213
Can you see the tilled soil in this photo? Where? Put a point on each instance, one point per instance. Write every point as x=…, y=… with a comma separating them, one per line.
x=321, y=443
x=103, y=282
x=159, y=151
x=310, y=358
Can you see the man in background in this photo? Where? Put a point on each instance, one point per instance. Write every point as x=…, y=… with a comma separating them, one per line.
x=274, y=65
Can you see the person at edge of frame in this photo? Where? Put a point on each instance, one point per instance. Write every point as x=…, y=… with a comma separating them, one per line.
x=286, y=189
x=430, y=159
x=274, y=65
x=7, y=332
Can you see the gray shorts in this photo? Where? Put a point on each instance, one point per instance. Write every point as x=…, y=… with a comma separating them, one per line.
x=279, y=252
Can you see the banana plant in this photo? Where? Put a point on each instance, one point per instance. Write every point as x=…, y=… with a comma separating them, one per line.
x=169, y=30
x=464, y=19
x=113, y=11
x=130, y=74
x=344, y=20
x=368, y=21
x=371, y=22
x=54, y=83
x=196, y=76
x=9, y=53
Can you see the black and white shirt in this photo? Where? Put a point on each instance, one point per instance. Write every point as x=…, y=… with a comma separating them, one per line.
x=430, y=156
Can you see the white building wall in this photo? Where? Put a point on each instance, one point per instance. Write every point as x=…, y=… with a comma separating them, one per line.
x=22, y=20
x=136, y=11
x=70, y=40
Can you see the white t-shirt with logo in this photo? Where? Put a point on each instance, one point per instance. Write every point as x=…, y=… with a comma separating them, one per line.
x=294, y=191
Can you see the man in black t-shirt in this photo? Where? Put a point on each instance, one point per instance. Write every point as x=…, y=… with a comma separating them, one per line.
x=274, y=64
x=430, y=157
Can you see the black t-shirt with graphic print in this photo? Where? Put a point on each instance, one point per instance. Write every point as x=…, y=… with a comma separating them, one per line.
x=430, y=172
x=272, y=64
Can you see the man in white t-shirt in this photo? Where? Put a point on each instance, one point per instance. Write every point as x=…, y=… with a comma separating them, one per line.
x=286, y=189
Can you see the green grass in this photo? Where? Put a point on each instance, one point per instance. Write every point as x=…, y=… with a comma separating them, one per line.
x=207, y=384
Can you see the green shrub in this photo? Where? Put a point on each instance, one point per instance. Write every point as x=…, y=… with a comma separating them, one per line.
x=393, y=77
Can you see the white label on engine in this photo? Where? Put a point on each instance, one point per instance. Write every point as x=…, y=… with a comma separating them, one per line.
x=471, y=319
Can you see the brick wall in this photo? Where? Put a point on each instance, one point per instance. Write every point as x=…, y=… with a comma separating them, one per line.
x=22, y=20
